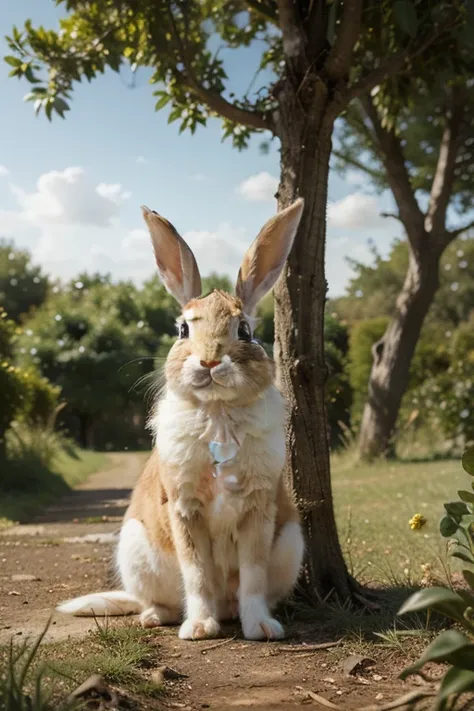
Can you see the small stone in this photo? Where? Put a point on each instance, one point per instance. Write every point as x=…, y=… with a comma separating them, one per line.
x=24, y=578
x=379, y=697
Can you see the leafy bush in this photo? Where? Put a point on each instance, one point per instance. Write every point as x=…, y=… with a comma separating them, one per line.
x=446, y=396
x=452, y=647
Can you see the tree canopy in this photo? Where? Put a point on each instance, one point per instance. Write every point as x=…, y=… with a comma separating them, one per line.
x=23, y=286
x=184, y=44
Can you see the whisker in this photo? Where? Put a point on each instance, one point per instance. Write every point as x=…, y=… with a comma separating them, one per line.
x=135, y=360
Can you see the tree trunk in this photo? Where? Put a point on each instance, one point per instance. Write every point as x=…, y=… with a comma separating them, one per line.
x=86, y=435
x=305, y=134
x=393, y=354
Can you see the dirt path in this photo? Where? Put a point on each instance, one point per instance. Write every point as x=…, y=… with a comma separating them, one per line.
x=67, y=551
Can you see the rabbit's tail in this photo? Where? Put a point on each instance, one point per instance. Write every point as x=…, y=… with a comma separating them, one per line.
x=115, y=603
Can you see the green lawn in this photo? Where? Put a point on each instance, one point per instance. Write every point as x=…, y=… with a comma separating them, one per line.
x=39, y=485
x=374, y=504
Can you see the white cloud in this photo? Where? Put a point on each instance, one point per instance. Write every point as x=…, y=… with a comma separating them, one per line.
x=4, y=171
x=338, y=271
x=69, y=197
x=356, y=211
x=141, y=160
x=258, y=188
x=220, y=250
x=137, y=242
x=199, y=177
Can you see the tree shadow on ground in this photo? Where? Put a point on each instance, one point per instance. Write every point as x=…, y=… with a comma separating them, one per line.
x=332, y=620
x=89, y=505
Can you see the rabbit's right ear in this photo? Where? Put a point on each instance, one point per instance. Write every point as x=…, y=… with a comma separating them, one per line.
x=176, y=263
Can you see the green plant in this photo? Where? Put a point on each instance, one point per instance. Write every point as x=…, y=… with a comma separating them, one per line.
x=21, y=685
x=452, y=646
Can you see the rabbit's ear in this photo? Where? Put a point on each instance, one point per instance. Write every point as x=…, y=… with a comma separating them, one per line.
x=176, y=263
x=267, y=255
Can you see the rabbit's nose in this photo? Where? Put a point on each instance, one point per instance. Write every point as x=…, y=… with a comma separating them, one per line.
x=210, y=363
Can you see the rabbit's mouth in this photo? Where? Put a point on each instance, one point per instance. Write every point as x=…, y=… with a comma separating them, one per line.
x=201, y=380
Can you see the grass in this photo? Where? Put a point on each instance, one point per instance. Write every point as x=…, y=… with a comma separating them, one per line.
x=40, y=466
x=373, y=506
x=48, y=673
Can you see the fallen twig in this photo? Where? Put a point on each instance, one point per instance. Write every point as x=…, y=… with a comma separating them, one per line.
x=404, y=700
x=309, y=647
x=321, y=700
x=217, y=644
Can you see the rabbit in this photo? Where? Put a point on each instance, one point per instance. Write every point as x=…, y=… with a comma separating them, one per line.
x=212, y=532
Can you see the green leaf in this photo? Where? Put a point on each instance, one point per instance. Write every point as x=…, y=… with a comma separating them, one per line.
x=451, y=647
x=466, y=496
x=456, y=509
x=441, y=600
x=469, y=578
x=455, y=682
x=48, y=109
x=406, y=17
x=463, y=556
x=60, y=106
x=468, y=461
x=13, y=61
x=165, y=99
x=447, y=526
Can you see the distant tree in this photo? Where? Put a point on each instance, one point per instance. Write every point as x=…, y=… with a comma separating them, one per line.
x=373, y=290
x=23, y=286
x=319, y=57
x=422, y=149
x=95, y=344
x=217, y=281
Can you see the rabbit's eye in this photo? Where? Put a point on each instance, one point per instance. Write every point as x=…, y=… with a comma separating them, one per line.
x=244, y=333
x=183, y=330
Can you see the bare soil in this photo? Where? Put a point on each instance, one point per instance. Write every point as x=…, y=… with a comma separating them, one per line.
x=67, y=551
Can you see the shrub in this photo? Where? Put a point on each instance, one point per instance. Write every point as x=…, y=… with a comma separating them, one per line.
x=446, y=396
x=452, y=647
x=25, y=394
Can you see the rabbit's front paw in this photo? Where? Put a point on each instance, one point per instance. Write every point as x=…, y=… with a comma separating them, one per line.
x=199, y=629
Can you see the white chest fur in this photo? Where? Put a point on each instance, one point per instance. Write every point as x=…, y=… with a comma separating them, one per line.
x=182, y=437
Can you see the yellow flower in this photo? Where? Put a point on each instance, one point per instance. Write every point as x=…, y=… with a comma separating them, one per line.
x=418, y=521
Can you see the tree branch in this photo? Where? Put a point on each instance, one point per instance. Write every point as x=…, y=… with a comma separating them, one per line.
x=459, y=231
x=390, y=152
x=294, y=40
x=212, y=99
x=338, y=62
x=357, y=164
x=442, y=185
x=391, y=214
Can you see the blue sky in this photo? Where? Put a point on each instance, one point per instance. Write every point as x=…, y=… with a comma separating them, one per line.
x=70, y=190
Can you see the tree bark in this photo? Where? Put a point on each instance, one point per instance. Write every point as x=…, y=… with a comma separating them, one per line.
x=87, y=431
x=393, y=354
x=305, y=134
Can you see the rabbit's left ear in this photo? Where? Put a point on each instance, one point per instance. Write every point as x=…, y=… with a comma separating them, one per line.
x=175, y=261
x=266, y=257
